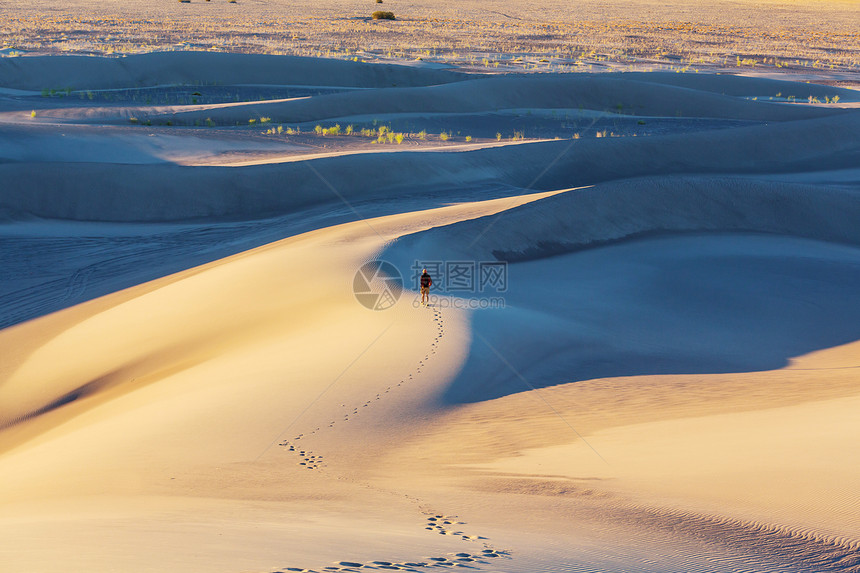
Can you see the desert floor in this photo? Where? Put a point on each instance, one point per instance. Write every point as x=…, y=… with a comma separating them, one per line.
x=641, y=352
x=815, y=39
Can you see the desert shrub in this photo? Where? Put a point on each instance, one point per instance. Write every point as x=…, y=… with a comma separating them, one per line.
x=468, y=138
x=422, y=134
x=399, y=138
x=444, y=136
x=318, y=129
x=381, y=15
x=498, y=136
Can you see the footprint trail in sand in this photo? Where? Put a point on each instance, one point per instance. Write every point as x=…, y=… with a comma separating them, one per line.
x=460, y=560
x=439, y=523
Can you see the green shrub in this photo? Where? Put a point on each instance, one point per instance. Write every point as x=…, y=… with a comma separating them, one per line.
x=381, y=15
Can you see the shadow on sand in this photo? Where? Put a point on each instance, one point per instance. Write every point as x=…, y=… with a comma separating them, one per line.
x=689, y=304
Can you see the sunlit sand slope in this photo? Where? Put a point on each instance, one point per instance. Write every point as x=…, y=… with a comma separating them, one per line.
x=666, y=380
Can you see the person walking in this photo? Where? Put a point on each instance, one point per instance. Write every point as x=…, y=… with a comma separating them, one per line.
x=426, y=282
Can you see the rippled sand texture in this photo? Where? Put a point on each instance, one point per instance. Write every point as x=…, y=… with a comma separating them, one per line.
x=667, y=380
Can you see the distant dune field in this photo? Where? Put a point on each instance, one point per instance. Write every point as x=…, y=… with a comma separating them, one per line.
x=639, y=353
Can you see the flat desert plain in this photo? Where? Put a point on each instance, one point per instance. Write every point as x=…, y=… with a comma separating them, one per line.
x=640, y=353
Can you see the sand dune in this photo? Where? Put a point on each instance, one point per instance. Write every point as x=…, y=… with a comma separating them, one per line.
x=745, y=86
x=623, y=210
x=83, y=72
x=192, y=381
x=571, y=91
x=136, y=193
